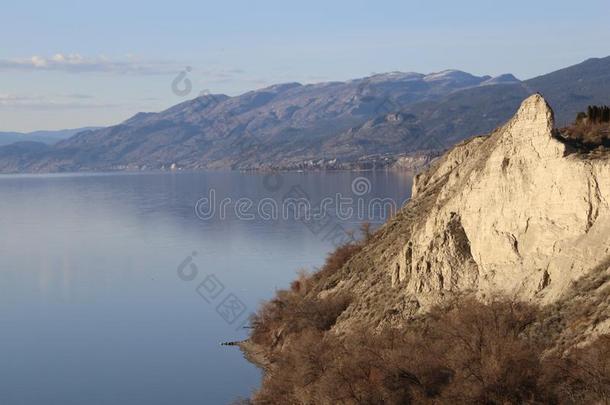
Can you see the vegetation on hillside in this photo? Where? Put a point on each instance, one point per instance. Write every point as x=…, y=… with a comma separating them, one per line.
x=295, y=310
x=590, y=130
x=464, y=352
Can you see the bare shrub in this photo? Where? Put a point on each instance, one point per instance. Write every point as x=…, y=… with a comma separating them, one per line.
x=367, y=232
x=464, y=353
x=302, y=284
x=297, y=309
x=291, y=313
x=336, y=260
x=583, y=375
x=491, y=358
x=590, y=130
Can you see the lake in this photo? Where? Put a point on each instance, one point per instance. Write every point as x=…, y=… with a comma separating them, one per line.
x=119, y=288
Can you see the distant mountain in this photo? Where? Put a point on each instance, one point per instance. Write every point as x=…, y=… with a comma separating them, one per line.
x=327, y=125
x=506, y=78
x=571, y=89
x=46, y=137
x=439, y=124
x=281, y=123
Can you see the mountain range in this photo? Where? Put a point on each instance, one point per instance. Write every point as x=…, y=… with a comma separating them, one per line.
x=47, y=137
x=361, y=123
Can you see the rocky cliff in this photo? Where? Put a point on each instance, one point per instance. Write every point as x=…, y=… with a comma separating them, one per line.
x=513, y=213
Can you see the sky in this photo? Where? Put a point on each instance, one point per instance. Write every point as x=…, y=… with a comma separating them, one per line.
x=68, y=64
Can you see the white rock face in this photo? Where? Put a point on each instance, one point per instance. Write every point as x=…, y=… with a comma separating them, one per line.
x=509, y=213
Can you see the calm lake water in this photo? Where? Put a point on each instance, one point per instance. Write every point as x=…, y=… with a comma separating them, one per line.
x=103, y=302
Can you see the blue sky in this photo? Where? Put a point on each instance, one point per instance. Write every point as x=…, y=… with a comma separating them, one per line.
x=68, y=64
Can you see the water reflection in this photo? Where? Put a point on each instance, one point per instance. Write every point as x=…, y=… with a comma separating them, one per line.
x=92, y=307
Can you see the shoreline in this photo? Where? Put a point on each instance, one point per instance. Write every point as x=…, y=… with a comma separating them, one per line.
x=402, y=162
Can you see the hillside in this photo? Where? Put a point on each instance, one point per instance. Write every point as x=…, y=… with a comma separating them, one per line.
x=480, y=109
x=501, y=254
x=46, y=137
x=275, y=125
x=365, y=122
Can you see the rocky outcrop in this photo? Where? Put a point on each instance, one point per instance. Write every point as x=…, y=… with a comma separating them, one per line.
x=414, y=162
x=512, y=213
x=531, y=219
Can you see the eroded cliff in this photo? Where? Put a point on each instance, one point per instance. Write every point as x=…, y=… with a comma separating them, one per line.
x=512, y=213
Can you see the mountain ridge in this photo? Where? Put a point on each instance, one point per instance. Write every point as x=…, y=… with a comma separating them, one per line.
x=362, y=123
x=48, y=137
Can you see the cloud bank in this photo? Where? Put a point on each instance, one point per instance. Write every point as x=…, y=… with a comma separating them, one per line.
x=56, y=102
x=76, y=63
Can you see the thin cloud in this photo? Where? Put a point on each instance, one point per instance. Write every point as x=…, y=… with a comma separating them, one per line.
x=79, y=96
x=39, y=102
x=76, y=63
x=129, y=65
